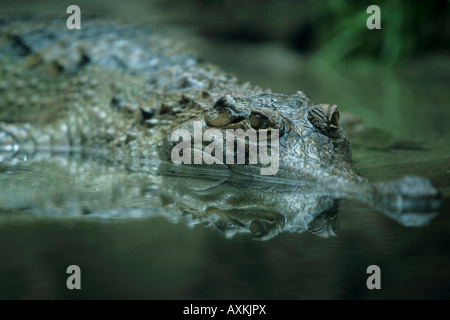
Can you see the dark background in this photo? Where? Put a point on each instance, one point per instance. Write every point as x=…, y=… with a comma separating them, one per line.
x=396, y=79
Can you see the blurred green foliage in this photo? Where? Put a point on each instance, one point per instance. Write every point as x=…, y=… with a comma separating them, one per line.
x=333, y=29
x=408, y=29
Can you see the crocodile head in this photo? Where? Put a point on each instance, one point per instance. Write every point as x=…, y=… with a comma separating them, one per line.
x=301, y=138
x=307, y=148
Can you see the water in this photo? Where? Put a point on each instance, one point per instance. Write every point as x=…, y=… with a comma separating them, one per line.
x=131, y=240
x=128, y=234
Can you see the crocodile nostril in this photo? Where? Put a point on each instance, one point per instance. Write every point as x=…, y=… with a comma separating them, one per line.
x=334, y=118
x=325, y=117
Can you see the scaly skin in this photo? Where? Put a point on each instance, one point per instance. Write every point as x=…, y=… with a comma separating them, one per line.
x=121, y=90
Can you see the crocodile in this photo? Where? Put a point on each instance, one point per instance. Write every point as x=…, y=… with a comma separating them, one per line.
x=119, y=91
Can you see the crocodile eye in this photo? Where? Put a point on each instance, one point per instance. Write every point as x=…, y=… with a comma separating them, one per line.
x=217, y=117
x=265, y=118
x=258, y=122
x=325, y=117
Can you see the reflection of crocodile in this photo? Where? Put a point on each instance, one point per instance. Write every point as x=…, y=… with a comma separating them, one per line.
x=60, y=186
x=262, y=209
x=121, y=91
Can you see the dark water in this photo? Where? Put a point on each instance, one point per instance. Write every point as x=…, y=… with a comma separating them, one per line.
x=129, y=243
x=132, y=241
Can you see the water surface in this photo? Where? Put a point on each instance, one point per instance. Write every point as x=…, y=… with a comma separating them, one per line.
x=131, y=241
